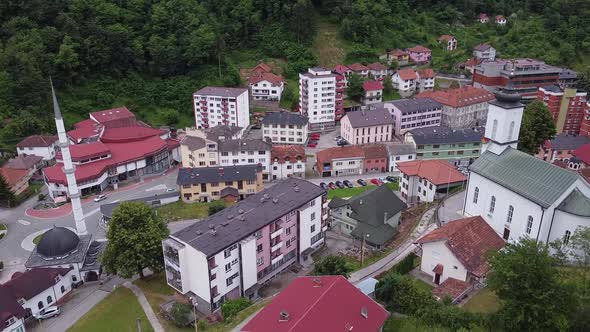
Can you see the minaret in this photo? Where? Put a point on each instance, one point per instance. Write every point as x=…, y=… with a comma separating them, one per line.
x=64, y=145
x=503, y=123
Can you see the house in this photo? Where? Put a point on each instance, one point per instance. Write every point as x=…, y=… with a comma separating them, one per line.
x=377, y=71
x=374, y=214
x=343, y=71
x=257, y=70
x=484, y=52
x=344, y=160
x=448, y=42
x=427, y=180
x=375, y=158
x=425, y=81
x=107, y=209
x=373, y=92
x=464, y=107
x=197, y=150
x=400, y=56
x=38, y=145
x=371, y=126
x=248, y=151
x=568, y=107
x=420, y=54
x=321, y=94
x=220, y=132
x=399, y=152
x=483, y=18
x=266, y=86
x=460, y=146
x=16, y=178
x=471, y=63
x=287, y=161
x=284, y=127
x=206, y=184
x=404, y=81
x=232, y=253
x=360, y=69
x=321, y=303
x=517, y=194
x=456, y=255
x=410, y=114
x=31, y=163
x=567, y=78
x=561, y=147
x=222, y=106
x=501, y=20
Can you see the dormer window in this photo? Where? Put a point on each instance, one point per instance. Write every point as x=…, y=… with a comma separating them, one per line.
x=10, y=321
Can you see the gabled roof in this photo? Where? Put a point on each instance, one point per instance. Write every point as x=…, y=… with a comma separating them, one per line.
x=469, y=239
x=270, y=77
x=216, y=174
x=340, y=69
x=419, y=49
x=116, y=117
x=85, y=129
x=193, y=142
x=459, y=97
x=500, y=17
x=358, y=67
x=482, y=47
x=566, y=142
x=436, y=171
x=426, y=73
x=30, y=283
x=37, y=141
x=23, y=161
x=407, y=74
x=576, y=203
x=446, y=135
x=262, y=66
x=375, y=151
x=229, y=191
x=341, y=152
x=377, y=66
x=224, y=131
x=446, y=37
x=583, y=153
x=377, y=117
x=284, y=118
x=396, y=149
x=12, y=176
x=371, y=85
x=532, y=178
x=397, y=52
x=290, y=152
x=323, y=303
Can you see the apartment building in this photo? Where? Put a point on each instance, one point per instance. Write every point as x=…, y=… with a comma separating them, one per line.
x=198, y=152
x=362, y=127
x=246, y=152
x=459, y=146
x=284, y=127
x=399, y=152
x=221, y=106
x=208, y=184
x=344, y=160
x=321, y=97
x=287, y=161
x=409, y=114
x=568, y=107
x=231, y=253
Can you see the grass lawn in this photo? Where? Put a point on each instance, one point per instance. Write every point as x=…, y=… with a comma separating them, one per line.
x=37, y=238
x=393, y=95
x=181, y=211
x=410, y=324
x=350, y=192
x=484, y=301
x=328, y=46
x=117, y=312
x=422, y=285
x=2, y=227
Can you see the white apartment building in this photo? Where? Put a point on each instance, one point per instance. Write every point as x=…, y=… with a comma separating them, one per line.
x=427, y=180
x=266, y=86
x=410, y=114
x=318, y=97
x=233, y=252
x=38, y=145
x=284, y=127
x=245, y=152
x=398, y=153
x=221, y=106
x=287, y=161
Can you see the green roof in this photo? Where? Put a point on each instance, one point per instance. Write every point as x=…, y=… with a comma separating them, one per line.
x=576, y=203
x=534, y=179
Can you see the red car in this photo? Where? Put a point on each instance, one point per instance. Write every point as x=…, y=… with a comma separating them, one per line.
x=376, y=182
x=331, y=185
x=314, y=136
x=312, y=144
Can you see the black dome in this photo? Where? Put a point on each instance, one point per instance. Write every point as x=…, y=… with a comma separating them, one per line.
x=58, y=242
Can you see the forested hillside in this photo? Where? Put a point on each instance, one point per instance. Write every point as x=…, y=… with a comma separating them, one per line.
x=150, y=55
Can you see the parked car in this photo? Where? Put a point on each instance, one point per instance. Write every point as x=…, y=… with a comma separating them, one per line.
x=331, y=185
x=76, y=284
x=342, y=143
x=348, y=183
x=376, y=182
x=100, y=197
x=391, y=178
x=312, y=144
x=324, y=185
x=48, y=313
x=339, y=184
x=337, y=138
x=314, y=136
x=361, y=182
x=383, y=180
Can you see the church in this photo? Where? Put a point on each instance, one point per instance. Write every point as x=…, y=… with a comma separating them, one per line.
x=517, y=194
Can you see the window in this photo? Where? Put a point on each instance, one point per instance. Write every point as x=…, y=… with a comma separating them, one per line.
x=40, y=305
x=227, y=252
x=49, y=299
x=312, y=228
x=492, y=204
x=475, y=195
x=259, y=248
x=529, y=224
x=312, y=203
x=494, y=129
x=288, y=243
x=288, y=230
x=234, y=262
x=63, y=289
x=227, y=267
x=511, y=131
x=566, y=237
x=259, y=260
x=510, y=213
x=312, y=216
x=229, y=281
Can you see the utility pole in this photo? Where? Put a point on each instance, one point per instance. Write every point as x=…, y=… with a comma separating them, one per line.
x=362, y=249
x=138, y=324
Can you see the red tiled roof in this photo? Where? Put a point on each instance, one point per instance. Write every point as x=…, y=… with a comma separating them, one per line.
x=272, y=78
x=9, y=305
x=356, y=67
x=37, y=141
x=116, y=117
x=419, y=49
x=12, y=176
x=333, y=305
x=327, y=155
x=287, y=151
x=435, y=171
x=128, y=134
x=583, y=153
x=426, y=73
x=459, y=97
x=499, y=17
x=34, y=281
x=375, y=151
x=483, y=15
x=407, y=74
x=262, y=67
x=585, y=173
x=472, y=62
x=469, y=239
x=84, y=151
x=371, y=85
x=340, y=69
x=377, y=66
x=450, y=287
x=398, y=52
x=446, y=37
x=84, y=129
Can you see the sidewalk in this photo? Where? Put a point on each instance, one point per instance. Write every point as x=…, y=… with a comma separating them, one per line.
x=149, y=312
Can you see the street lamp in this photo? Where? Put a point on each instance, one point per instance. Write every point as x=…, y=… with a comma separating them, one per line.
x=363, y=247
x=194, y=305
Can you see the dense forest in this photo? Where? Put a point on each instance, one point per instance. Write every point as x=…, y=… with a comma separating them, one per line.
x=150, y=55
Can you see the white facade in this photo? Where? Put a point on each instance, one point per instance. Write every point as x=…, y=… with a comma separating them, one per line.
x=449, y=44
x=14, y=324
x=287, y=169
x=52, y=295
x=502, y=127
x=238, y=158
x=424, y=83
x=46, y=152
x=501, y=20
x=485, y=54
x=437, y=252
x=403, y=86
x=372, y=96
x=420, y=118
x=285, y=134
x=398, y=158
x=347, y=166
x=415, y=189
x=363, y=135
x=214, y=109
x=266, y=90
x=310, y=225
x=317, y=98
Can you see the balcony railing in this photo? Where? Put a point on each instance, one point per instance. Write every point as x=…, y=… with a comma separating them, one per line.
x=276, y=232
x=176, y=283
x=276, y=246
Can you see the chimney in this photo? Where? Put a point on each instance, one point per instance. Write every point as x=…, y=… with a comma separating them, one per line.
x=365, y=312
x=385, y=217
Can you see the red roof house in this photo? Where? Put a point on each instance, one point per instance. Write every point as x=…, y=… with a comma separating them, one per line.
x=116, y=117
x=13, y=176
x=359, y=68
x=37, y=141
x=426, y=73
x=341, y=69
x=435, y=171
x=287, y=153
x=371, y=85
x=459, y=97
x=275, y=80
x=407, y=74
x=325, y=303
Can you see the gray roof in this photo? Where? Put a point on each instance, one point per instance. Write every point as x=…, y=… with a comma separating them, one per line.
x=244, y=145
x=532, y=178
x=396, y=149
x=576, y=203
x=415, y=105
x=482, y=47
x=369, y=118
x=228, y=225
x=193, y=143
x=222, y=130
x=284, y=118
x=23, y=161
x=568, y=142
x=108, y=208
x=78, y=256
x=227, y=191
x=221, y=91
x=553, y=88
x=216, y=174
x=567, y=73
x=445, y=135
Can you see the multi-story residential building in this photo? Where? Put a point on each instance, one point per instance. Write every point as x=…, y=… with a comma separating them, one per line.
x=320, y=97
x=460, y=146
x=464, y=107
x=198, y=151
x=501, y=20
x=425, y=81
x=414, y=113
x=523, y=76
x=362, y=127
x=567, y=78
x=206, y=184
x=373, y=92
x=266, y=86
x=375, y=158
x=420, y=54
x=345, y=160
x=400, y=56
x=343, y=71
x=484, y=52
x=284, y=127
x=360, y=69
x=483, y=18
x=561, y=147
x=231, y=253
x=38, y=145
x=377, y=71
x=246, y=152
x=221, y=106
x=287, y=161
x=427, y=180
x=399, y=152
x=448, y=42
x=404, y=81
x=568, y=107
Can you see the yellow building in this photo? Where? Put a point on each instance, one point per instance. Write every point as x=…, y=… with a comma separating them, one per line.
x=231, y=183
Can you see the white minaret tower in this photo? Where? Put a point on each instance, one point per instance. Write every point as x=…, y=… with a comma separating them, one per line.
x=503, y=123
x=64, y=145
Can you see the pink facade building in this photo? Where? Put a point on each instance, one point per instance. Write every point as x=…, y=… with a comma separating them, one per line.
x=420, y=54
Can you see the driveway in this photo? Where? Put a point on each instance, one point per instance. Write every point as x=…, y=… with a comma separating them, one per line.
x=452, y=208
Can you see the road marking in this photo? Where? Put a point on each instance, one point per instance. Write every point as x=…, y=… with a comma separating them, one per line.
x=158, y=187
x=24, y=222
x=91, y=213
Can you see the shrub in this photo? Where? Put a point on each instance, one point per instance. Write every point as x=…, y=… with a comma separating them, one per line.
x=332, y=265
x=41, y=197
x=215, y=207
x=405, y=265
x=230, y=308
x=180, y=314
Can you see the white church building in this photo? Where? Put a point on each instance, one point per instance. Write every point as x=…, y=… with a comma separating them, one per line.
x=518, y=194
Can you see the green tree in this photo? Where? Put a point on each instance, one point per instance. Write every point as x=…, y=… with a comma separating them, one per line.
x=135, y=237
x=6, y=194
x=231, y=308
x=387, y=85
x=454, y=85
x=67, y=58
x=525, y=279
x=583, y=82
x=332, y=265
x=180, y=314
x=215, y=207
x=537, y=127
x=402, y=295
x=355, y=87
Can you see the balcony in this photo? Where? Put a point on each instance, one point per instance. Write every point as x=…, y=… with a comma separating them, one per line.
x=325, y=228
x=225, y=115
x=275, y=233
x=205, y=119
x=203, y=102
x=276, y=247
x=204, y=107
x=205, y=114
x=276, y=259
x=174, y=279
x=169, y=262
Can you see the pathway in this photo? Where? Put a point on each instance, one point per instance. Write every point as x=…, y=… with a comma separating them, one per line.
x=149, y=312
x=452, y=209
